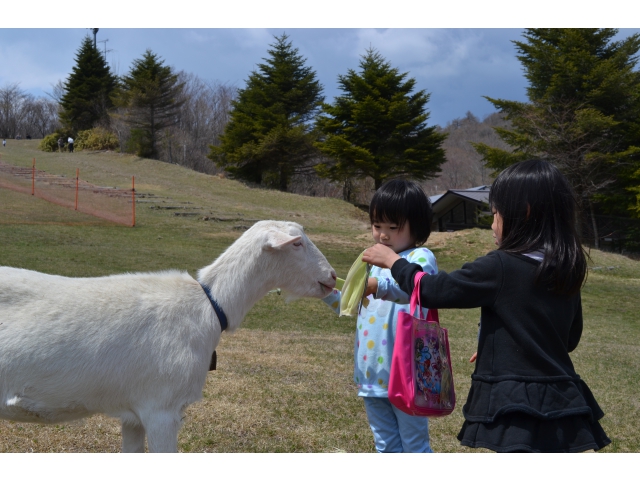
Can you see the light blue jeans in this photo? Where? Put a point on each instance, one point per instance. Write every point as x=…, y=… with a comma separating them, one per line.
x=395, y=431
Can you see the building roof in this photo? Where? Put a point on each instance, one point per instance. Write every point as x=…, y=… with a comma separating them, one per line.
x=445, y=201
x=435, y=198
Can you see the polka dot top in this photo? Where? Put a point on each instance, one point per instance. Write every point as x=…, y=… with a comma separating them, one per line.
x=376, y=324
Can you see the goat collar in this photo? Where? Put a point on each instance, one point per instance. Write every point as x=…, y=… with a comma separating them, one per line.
x=219, y=312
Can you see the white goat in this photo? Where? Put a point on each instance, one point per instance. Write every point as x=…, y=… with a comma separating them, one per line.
x=138, y=346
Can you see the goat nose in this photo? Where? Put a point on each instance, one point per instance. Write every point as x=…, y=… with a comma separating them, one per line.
x=333, y=275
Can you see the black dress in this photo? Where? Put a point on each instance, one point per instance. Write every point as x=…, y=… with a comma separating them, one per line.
x=525, y=394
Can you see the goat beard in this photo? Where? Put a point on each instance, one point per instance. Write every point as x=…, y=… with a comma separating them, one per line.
x=290, y=296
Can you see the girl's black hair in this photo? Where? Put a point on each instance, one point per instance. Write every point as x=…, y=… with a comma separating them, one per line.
x=539, y=212
x=399, y=201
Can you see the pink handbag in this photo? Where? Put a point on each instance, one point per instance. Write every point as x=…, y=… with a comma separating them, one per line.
x=421, y=378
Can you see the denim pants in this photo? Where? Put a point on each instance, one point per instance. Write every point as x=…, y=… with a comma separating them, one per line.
x=395, y=431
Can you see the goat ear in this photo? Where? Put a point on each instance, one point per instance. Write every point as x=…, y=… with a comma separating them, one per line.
x=278, y=240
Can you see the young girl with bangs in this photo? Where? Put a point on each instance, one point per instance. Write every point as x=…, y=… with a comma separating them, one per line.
x=525, y=394
x=400, y=214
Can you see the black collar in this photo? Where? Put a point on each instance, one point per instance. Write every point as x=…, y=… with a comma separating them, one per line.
x=219, y=312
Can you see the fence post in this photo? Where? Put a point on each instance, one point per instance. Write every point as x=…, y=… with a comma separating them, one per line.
x=77, y=175
x=133, y=201
x=33, y=178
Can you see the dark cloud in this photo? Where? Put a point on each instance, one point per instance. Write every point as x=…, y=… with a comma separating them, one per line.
x=456, y=66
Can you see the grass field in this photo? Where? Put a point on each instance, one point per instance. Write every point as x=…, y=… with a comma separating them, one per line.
x=284, y=379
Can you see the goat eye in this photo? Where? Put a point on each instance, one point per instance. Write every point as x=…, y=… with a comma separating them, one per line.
x=297, y=244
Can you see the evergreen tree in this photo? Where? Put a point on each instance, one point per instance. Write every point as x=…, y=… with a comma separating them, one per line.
x=86, y=99
x=151, y=98
x=377, y=128
x=583, y=114
x=269, y=136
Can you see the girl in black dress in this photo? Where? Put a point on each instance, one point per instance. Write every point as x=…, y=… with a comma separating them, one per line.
x=525, y=394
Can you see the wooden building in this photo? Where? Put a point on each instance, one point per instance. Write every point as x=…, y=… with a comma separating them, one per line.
x=460, y=209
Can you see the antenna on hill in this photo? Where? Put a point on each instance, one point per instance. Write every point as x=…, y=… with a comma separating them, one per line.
x=105, y=48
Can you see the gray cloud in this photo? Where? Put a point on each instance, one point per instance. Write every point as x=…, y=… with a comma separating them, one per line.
x=456, y=66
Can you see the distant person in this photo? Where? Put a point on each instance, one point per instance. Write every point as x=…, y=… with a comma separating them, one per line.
x=70, y=142
x=60, y=144
x=4, y=142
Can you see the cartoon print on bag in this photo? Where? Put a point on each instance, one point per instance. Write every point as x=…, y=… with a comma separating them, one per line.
x=428, y=369
x=423, y=362
x=436, y=373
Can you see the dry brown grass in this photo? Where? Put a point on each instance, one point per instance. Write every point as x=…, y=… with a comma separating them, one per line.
x=279, y=392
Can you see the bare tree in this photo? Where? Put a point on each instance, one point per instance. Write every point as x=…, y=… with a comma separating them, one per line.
x=21, y=114
x=201, y=120
x=464, y=167
x=57, y=91
x=41, y=117
x=13, y=101
x=121, y=128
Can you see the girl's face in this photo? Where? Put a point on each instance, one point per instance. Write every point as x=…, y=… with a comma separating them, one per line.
x=496, y=226
x=397, y=239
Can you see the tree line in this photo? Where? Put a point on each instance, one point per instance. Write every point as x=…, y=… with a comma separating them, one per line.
x=281, y=128
x=279, y=132
x=582, y=115
x=152, y=111
x=23, y=115
x=276, y=132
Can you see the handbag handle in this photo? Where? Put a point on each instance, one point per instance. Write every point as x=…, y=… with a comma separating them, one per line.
x=432, y=313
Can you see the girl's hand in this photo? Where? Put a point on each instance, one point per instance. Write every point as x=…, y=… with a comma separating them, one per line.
x=372, y=286
x=380, y=256
x=473, y=357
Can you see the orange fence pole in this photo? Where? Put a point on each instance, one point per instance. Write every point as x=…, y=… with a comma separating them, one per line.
x=77, y=175
x=133, y=201
x=33, y=178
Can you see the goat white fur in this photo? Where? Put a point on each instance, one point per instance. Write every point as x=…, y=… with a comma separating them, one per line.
x=138, y=346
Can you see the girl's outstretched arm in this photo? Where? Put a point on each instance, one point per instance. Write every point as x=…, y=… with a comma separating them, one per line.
x=476, y=284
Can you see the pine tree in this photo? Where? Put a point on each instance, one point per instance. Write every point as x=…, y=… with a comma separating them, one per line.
x=378, y=128
x=269, y=136
x=583, y=114
x=150, y=95
x=86, y=99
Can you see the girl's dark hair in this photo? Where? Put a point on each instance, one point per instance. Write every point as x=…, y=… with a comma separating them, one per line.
x=539, y=212
x=399, y=201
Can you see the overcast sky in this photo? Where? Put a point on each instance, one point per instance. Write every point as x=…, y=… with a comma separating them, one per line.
x=457, y=66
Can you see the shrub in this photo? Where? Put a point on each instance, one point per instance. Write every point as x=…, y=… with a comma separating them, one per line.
x=96, y=139
x=49, y=143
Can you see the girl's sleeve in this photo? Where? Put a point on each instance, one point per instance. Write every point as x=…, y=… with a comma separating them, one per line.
x=333, y=300
x=476, y=284
x=390, y=290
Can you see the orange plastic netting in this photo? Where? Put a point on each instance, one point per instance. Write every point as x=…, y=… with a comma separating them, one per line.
x=113, y=204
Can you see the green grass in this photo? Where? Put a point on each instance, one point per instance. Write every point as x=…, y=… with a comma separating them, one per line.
x=284, y=380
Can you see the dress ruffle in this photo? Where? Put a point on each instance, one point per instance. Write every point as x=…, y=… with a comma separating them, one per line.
x=545, y=398
x=520, y=432
x=546, y=414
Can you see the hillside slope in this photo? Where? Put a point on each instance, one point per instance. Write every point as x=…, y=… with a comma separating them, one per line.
x=284, y=380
